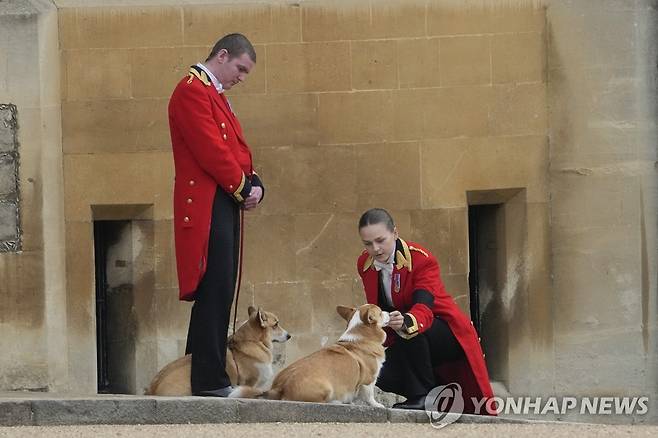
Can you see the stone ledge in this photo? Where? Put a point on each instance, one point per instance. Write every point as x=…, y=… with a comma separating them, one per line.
x=49, y=410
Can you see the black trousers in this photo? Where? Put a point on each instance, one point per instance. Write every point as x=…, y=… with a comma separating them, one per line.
x=408, y=369
x=211, y=311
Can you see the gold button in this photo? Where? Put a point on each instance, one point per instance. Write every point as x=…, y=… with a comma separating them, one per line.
x=189, y=200
x=223, y=125
x=225, y=136
x=186, y=219
x=191, y=182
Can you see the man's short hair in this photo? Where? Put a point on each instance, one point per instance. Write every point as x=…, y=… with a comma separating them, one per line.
x=235, y=44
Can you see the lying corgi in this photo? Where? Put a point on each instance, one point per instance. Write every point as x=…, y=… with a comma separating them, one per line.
x=248, y=357
x=339, y=373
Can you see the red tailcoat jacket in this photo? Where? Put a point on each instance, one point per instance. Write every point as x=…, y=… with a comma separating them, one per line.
x=210, y=153
x=416, y=269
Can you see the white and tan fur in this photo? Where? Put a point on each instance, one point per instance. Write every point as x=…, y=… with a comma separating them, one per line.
x=339, y=373
x=248, y=358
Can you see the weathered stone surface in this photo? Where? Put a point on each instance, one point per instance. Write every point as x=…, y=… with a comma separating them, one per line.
x=15, y=413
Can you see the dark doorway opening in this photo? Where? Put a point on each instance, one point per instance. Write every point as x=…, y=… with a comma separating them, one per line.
x=486, y=280
x=114, y=301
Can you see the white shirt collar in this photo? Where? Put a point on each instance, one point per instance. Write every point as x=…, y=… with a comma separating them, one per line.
x=385, y=265
x=218, y=85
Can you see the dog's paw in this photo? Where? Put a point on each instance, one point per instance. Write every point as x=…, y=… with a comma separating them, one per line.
x=376, y=404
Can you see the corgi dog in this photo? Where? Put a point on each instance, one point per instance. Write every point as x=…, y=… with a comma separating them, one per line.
x=339, y=373
x=248, y=357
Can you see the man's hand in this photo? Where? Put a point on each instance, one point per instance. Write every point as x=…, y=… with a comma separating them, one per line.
x=254, y=198
x=396, y=320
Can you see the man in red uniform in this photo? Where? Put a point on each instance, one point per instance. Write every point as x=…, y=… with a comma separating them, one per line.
x=429, y=341
x=215, y=180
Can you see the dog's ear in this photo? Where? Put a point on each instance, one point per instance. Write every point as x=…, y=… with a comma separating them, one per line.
x=251, y=310
x=262, y=318
x=373, y=315
x=345, y=312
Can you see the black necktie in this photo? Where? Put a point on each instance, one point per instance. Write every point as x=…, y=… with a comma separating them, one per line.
x=383, y=301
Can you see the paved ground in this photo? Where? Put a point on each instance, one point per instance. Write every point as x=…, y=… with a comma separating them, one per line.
x=353, y=430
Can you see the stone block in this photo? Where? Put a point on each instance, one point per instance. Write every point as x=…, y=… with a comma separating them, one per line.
x=7, y=130
x=581, y=204
x=388, y=175
x=20, y=43
x=165, y=261
x=326, y=247
x=362, y=117
x=195, y=410
x=349, y=20
x=307, y=67
x=97, y=74
x=451, y=167
x=540, y=300
x=457, y=287
x=173, y=315
x=418, y=64
x=278, y=120
x=15, y=413
x=407, y=416
x=518, y=58
x=309, y=184
x=374, y=65
x=120, y=27
x=471, y=18
x=432, y=229
x=608, y=351
x=7, y=177
x=325, y=296
x=264, y=411
x=519, y=110
x=408, y=118
x=273, y=260
x=22, y=300
x=602, y=259
x=456, y=112
x=260, y=22
x=81, y=411
x=115, y=126
x=80, y=276
x=465, y=19
x=155, y=72
x=465, y=60
x=139, y=178
x=290, y=301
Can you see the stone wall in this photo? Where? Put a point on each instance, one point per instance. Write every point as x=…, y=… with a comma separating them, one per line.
x=352, y=105
x=32, y=280
x=540, y=112
x=602, y=99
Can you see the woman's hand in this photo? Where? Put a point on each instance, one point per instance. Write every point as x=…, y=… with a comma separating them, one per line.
x=396, y=320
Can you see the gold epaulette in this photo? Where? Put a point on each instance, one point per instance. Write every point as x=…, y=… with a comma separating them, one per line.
x=199, y=74
x=413, y=248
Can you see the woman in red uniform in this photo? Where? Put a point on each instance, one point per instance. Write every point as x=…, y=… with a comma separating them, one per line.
x=430, y=342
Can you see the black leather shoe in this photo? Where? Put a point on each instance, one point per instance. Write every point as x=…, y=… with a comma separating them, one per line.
x=416, y=403
x=221, y=392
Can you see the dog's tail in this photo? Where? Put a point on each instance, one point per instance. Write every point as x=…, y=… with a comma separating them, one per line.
x=251, y=392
